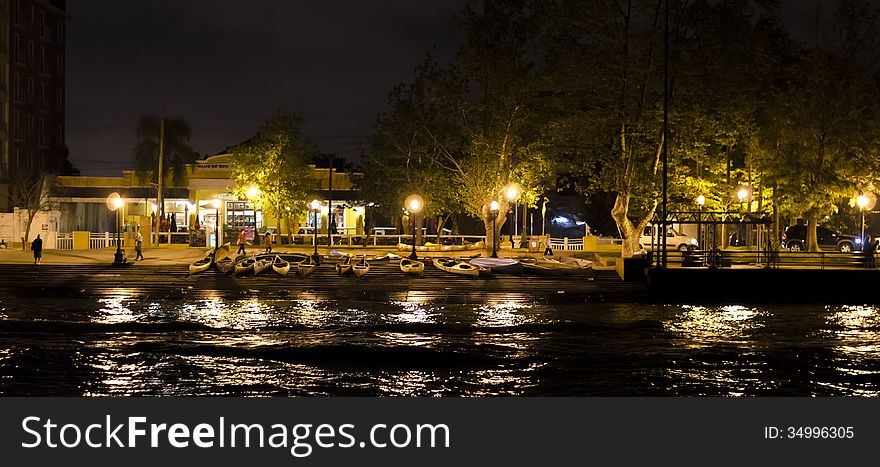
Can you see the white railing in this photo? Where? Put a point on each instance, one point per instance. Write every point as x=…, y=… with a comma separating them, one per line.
x=567, y=244
x=102, y=240
x=374, y=240
x=64, y=241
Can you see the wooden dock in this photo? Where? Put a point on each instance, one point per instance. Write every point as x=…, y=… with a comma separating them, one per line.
x=384, y=282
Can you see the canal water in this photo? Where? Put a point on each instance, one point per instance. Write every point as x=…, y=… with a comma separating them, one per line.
x=314, y=346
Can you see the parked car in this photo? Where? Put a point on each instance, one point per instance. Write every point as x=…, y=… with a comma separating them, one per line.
x=674, y=239
x=795, y=239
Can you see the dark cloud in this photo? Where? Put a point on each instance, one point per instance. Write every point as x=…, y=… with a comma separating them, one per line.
x=225, y=65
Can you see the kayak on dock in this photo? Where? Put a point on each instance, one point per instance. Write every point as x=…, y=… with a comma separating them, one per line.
x=454, y=266
x=411, y=266
x=499, y=265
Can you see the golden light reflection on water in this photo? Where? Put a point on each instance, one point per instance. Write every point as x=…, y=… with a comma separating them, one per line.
x=857, y=328
x=501, y=314
x=114, y=310
x=701, y=326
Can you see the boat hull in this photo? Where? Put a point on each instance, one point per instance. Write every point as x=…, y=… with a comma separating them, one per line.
x=409, y=266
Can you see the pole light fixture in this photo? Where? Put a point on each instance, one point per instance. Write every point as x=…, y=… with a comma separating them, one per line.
x=315, y=206
x=414, y=205
x=701, y=200
x=862, y=202
x=493, y=208
x=513, y=192
x=215, y=203
x=115, y=204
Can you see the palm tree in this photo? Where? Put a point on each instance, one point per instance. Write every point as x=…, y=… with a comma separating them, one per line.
x=170, y=138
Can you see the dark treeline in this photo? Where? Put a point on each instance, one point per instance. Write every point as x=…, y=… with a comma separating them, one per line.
x=549, y=94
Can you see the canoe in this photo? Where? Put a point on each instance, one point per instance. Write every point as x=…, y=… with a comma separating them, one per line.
x=456, y=267
x=437, y=247
x=292, y=258
x=499, y=265
x=306, y=267
x=361, y=267
x=222, y=252
x=344, y=265
x=228, y=264
x=579, y=262
x=280, y=266
x=534, y=268
x=201, y=265
x=245, y=266
x=262, y=264
x=410, y=266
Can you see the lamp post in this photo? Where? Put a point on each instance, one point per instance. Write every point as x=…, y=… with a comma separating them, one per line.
x=316, y=208
x=493, y=208
x=742, y=194
x=512, y=196
x=216, y=204
x=862, y=201
x=414, y=204
x=115, y=203
x=701, y=200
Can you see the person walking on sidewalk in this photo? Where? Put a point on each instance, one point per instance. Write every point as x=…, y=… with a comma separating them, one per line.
x=241, y=242
x=267, y=242
x=37, y=246
x=139, y=245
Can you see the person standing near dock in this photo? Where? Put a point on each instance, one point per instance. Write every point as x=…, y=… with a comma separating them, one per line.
x=241, y=241
x=139, y=245
x=267, y=242
x=37, y=246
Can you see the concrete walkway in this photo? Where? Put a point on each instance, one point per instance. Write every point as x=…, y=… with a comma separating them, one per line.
x=184, y=255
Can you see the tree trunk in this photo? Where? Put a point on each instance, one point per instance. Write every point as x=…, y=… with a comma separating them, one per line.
x=812, y=239
x=27, y=230
x=630, y=231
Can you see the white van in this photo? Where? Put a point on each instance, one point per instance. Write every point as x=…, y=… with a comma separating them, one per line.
x=674, y=239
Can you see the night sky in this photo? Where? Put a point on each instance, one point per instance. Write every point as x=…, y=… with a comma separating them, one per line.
x=226, y=65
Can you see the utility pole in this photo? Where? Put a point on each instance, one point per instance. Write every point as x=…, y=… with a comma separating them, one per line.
x=330, y=220
x=665, y=135
x=160, y=198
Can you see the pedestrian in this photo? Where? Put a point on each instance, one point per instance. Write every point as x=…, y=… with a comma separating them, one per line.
x=37, y=246
x=267, y=242
x=869, y=249
x=139, y=245
x=241, y=241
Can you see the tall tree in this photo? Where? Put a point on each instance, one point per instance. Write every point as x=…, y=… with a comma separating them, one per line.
x=276, y=162
x=33, y=196
x=162, y=142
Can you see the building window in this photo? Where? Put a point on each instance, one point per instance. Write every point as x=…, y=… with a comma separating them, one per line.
x=44, y=65
x=44, y=135
x=30, y=126
x=59, y=30
x=16, y=47
x=59, y=135
x=44, y=99
x=16, y=125
x=59, y=100
x=31, y=51
x=3, y=83
x=17, y=93
x=59, y=63
x=44, y=28
x=30, y=88
x=4, y=38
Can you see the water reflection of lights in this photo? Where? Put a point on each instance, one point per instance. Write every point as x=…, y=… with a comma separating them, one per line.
x=856, y=327
x=701, y=325
x=115, y=310
x=414, y=313
x=501, y=314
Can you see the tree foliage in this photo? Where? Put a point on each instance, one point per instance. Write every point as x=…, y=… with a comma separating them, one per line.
x=276, y=162
x=176, y=149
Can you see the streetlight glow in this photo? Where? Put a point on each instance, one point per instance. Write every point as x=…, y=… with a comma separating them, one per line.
x=414, y=204
x=493, y=206
x=315, y=205
x=215, y=203
x=742, y=194
x=512, y=192
x=253, y=191
x=117, y=203
x=862, y=201
x=701, y=200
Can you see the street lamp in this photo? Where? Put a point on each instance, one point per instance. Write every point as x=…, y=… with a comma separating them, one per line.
x=316, y=207
x=253, y=192
x=115, y=203
x=742, y=194
x=493, y=208
x=862, y=201
x=512, y=196
x=216, y=204
x=414, y=204
x=701, y=200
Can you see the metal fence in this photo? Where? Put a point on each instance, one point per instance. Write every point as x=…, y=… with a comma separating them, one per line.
x=770, y=259
x=64, y=241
